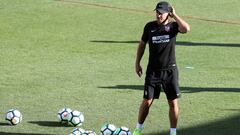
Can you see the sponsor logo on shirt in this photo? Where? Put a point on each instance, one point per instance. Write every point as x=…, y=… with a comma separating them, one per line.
x=160, y=39
x=167, y=28
x=154, y=30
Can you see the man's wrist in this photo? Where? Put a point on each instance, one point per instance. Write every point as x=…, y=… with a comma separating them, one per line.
x=175, y=15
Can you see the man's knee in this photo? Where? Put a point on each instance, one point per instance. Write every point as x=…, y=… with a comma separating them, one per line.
x=173, y=103
x=147, y=102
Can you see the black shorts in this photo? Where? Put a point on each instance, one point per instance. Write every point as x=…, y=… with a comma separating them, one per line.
x=166, y=79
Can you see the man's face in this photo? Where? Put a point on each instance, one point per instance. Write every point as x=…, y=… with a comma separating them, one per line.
x=161, y=17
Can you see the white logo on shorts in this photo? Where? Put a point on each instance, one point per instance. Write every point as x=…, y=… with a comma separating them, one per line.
x=146, y=93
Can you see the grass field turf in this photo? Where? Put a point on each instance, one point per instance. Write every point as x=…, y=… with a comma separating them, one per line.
x=57, y=54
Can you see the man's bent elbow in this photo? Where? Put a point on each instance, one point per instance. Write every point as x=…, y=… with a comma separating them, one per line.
x=185, y=29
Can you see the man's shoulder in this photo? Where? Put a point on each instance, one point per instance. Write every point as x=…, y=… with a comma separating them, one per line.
x=173, y=24
x=151, y=23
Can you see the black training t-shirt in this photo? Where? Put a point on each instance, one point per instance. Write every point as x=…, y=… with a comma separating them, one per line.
x=161, y=40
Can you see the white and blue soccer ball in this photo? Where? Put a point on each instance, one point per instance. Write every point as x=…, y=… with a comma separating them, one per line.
x=64, y=115
x=89, y=132
x=107, y=129
x=122, y=131
x=76, y=118
x=77, y=131
x=13, y=116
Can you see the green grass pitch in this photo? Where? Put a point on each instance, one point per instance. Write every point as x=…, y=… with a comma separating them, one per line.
x=80, y=54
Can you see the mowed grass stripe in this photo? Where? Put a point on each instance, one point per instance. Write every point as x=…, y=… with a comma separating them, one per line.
x=148, y=12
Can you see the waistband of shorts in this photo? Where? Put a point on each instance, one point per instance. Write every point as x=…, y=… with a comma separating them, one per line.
x=162, y=69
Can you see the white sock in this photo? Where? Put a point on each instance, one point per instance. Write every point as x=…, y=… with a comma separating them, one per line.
x=139, y=126
x=173, y=130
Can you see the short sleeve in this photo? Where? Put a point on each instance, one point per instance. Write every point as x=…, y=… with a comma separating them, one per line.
x=145, y=34
x=174, y=28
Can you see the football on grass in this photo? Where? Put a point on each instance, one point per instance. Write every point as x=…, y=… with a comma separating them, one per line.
x=64, y=115
x=107, y=129
x=13, y=116
x=76, y=118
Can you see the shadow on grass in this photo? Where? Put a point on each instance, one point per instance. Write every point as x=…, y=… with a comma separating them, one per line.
x=181, y=43
x=183, y=89
x=4, y=124
x=49, y=123
x=111, y=41
x=8, y=133
x=195, y=89
x=229, y=126
x=207, y=44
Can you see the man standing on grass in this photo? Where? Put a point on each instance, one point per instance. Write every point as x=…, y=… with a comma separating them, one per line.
x=162, y=69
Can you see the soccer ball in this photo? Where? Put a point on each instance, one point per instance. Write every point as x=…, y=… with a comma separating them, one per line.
x=13, y=117
x=77, y=131
x=89, y=133
x=76, y=118
x=122, y=131
x=63, y=115
x=107, y=129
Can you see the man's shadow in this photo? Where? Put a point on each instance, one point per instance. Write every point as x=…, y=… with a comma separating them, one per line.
x=183, y=89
